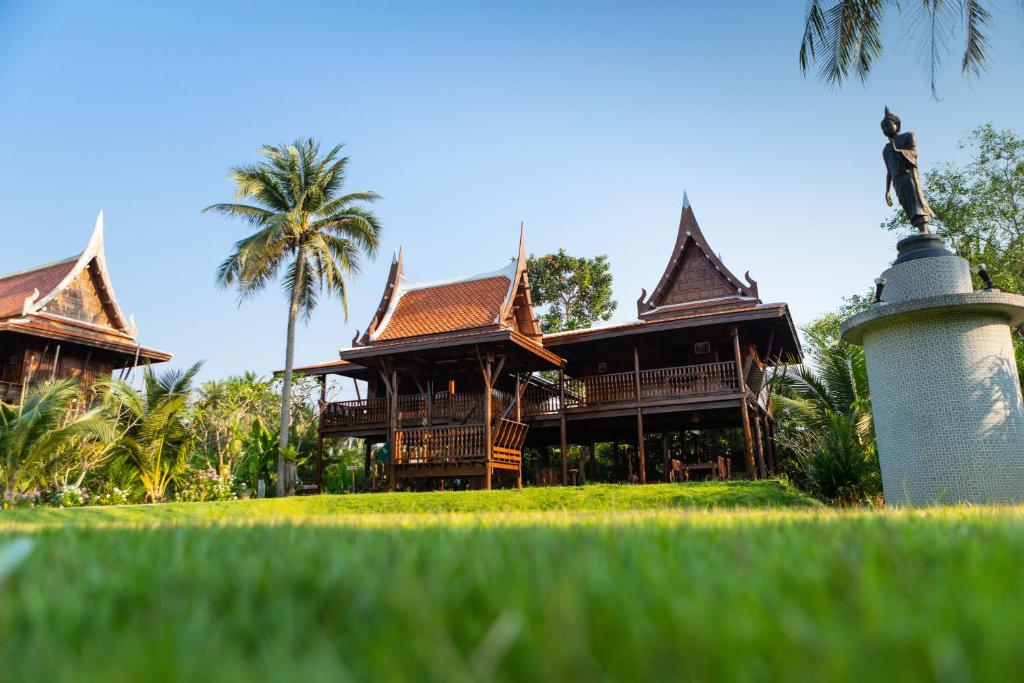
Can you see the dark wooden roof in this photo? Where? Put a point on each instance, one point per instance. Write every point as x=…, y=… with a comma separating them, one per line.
x=695, y=277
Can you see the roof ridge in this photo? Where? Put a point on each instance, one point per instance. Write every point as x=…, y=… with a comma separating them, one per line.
x=42, y=267
x=507, y=272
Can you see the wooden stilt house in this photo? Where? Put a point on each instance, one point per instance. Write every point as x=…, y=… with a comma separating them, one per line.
x=451, y=371
x=62, y=320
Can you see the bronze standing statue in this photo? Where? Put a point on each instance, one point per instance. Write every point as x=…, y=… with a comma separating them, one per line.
x=900, y=157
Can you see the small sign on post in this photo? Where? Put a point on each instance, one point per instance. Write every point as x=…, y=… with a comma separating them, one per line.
x=353, y=469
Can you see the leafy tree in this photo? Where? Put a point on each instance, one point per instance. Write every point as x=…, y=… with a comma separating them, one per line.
x=154, y=434
x=221, y=411
x=305, y=226
x=979, y=208
x=844, y=37
x=44, y=423
x=576, y=290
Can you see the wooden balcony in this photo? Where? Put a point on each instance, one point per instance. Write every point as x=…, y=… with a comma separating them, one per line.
x=460, y=445
x=413, y=410
x=621, y=387
x=462, y=411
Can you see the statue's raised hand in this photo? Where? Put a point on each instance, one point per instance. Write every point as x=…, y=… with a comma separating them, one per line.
x=888, y=198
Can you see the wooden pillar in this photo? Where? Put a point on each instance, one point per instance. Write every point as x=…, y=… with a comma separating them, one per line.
x=664, y=456
x=562, y=430
x=593, y=457
x=392, y=428
x=641, y=460
x=519, y=418
x=759, y=434
x=741, y=383
x=487, y=423
x=430, y=403
x=772, y=456
x=320, y=435
x=367, y=450
x=615, y=453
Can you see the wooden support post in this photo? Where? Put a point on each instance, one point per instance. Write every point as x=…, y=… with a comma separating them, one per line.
x=430, y=403
x=748, y=438
x=641, y=460
x=772, y=455
x=615, y=453
x=486, y=369
x=759, y=435
x=319, y=434
x=367, y=450
x=593, y=457
x=562, y=430
x=393, y=428
x=664, y=456
x=519, y=418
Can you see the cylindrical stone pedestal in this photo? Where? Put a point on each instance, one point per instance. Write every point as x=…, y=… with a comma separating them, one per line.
x=945, y=394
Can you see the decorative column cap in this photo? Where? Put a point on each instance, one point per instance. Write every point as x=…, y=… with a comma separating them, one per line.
x=925, y=245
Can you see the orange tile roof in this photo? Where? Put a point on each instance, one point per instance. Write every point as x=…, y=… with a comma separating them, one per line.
x=446, y=308
x=15, y=288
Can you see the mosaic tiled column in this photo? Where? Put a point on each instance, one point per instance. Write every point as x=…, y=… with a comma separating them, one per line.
x=945, y=393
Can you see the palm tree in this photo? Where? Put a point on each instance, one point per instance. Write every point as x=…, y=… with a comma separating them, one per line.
x=42, y=426
x=152, y=431
x=824, y=419
x=306, y=226
x=844, y=36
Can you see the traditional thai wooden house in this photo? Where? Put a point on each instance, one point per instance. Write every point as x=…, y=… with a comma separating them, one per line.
x=452, y=383
x=62, y=320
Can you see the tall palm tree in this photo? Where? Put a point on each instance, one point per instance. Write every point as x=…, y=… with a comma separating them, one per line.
x=305, y=225
x=40, y=427
x=844, y=36
x=151, y=427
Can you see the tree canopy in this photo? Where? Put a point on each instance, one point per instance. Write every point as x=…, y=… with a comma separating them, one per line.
x=577, y=291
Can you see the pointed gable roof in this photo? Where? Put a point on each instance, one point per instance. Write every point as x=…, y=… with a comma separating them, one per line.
x=495, y=300
x=53, y=298
x=695, y=276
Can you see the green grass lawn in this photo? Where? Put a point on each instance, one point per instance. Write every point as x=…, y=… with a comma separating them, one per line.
x=638, y=583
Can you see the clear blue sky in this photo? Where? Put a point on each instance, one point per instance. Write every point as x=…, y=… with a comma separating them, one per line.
x=585, y=121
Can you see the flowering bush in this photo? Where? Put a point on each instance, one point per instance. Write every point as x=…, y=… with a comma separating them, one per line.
x=203, y=485
x=21, y=500
x=70, y=497
x=114, y=496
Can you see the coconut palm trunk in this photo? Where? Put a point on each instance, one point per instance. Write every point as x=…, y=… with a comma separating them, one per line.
x=285, y=480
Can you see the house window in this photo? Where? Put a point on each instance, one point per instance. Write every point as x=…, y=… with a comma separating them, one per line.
x=602, y=368
x=702, y=348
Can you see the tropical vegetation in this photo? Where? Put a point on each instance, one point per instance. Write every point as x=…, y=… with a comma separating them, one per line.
x=844, y=37
x=306, y=229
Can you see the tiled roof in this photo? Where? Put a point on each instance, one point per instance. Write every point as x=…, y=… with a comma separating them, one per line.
x=448, y=307
x=14, y=289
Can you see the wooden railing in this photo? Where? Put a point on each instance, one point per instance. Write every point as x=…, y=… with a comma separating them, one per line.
x=460, y=444
x=439, y=445
x=351, y=413
x=688, y=380
x=620, y=387
x=593, y=390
